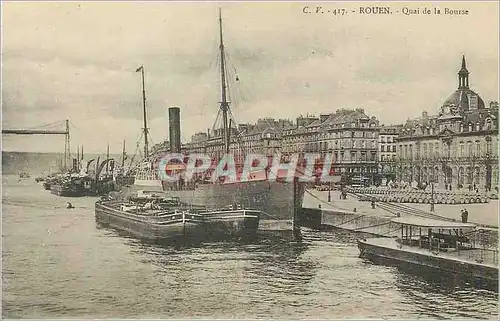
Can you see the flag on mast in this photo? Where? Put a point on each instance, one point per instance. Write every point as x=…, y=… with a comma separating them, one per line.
x=139, y=69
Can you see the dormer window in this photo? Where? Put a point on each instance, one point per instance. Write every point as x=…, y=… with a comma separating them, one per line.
x=477, y=127
x=461, y=128
x=470, y=127
x=488, y=123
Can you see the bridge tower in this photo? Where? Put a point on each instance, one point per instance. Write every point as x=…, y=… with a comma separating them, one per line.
x=67, y=147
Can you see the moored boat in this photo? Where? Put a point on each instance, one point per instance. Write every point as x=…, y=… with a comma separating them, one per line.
x=231, y=222
x=211, y=224
x=72, y=185
x=450, y=247
x=64, y=189
x=148, y=222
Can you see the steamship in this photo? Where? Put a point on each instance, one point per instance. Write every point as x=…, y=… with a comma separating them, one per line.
x=277, y=200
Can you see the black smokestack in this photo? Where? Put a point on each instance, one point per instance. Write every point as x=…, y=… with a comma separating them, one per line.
x=174, y=120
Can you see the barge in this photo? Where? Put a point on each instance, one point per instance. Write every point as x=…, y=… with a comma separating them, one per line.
x=449, y=247
x=149, y=223
x=139, y=215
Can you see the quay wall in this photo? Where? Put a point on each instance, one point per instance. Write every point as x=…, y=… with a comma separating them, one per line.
x=356, y=222
x=371, y=224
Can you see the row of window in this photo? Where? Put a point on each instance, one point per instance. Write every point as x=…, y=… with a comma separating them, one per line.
x=323, y=136
x=488, y=125
x=388, y=148
x=345, y=125
x=386, y=139
x=469, y=176
x=388, y=158
x=468, y=149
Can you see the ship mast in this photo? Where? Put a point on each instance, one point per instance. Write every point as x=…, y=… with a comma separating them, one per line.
x=107, y=161
x=141, y=69
x=224, y=104
x=123, y=157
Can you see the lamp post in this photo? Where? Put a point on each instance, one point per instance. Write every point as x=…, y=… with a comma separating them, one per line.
x=329, y=192
x=432, y=195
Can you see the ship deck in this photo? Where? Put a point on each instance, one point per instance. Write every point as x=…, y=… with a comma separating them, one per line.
x=474, y=256
x=201, y=211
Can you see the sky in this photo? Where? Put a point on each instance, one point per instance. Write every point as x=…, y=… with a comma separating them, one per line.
x=77, y=61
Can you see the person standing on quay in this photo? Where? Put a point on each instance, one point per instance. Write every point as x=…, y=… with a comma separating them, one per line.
x=465, y=215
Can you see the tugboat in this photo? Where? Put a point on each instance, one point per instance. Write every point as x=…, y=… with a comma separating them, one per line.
x=72, y=185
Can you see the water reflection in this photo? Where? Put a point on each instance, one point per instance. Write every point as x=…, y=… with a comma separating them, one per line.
x=439, y=294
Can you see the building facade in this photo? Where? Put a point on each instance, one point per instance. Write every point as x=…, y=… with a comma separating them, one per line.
x=458, y=147
x=387, y=162
x=350, y=136
x=263, y=138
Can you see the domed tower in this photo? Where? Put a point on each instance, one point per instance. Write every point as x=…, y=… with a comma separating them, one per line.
x=461, y=103
x=463, y=99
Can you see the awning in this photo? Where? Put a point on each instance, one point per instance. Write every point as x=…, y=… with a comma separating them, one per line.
x=431, y=223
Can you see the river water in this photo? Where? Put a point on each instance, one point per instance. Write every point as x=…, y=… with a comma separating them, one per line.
x=58, y=263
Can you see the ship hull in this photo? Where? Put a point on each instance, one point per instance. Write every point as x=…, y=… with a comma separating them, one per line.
x=275, y=200
x=65, y=191
x=182, y=227
x=231, y=224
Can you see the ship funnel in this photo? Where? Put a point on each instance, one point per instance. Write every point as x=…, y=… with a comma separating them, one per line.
x=174, y=120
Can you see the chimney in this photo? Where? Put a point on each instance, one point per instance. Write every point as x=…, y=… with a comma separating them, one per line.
x=174, y=120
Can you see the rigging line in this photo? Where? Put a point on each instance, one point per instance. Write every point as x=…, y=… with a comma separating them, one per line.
x=216, y=120
x=75, y=127
x=215, y=54
x=136, y=148
x=59, y=123
x=238, y=86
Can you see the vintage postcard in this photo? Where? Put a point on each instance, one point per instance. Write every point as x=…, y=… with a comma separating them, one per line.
x=250, y=160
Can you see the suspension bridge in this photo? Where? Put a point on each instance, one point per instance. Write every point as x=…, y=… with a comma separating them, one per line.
x=57, y=128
